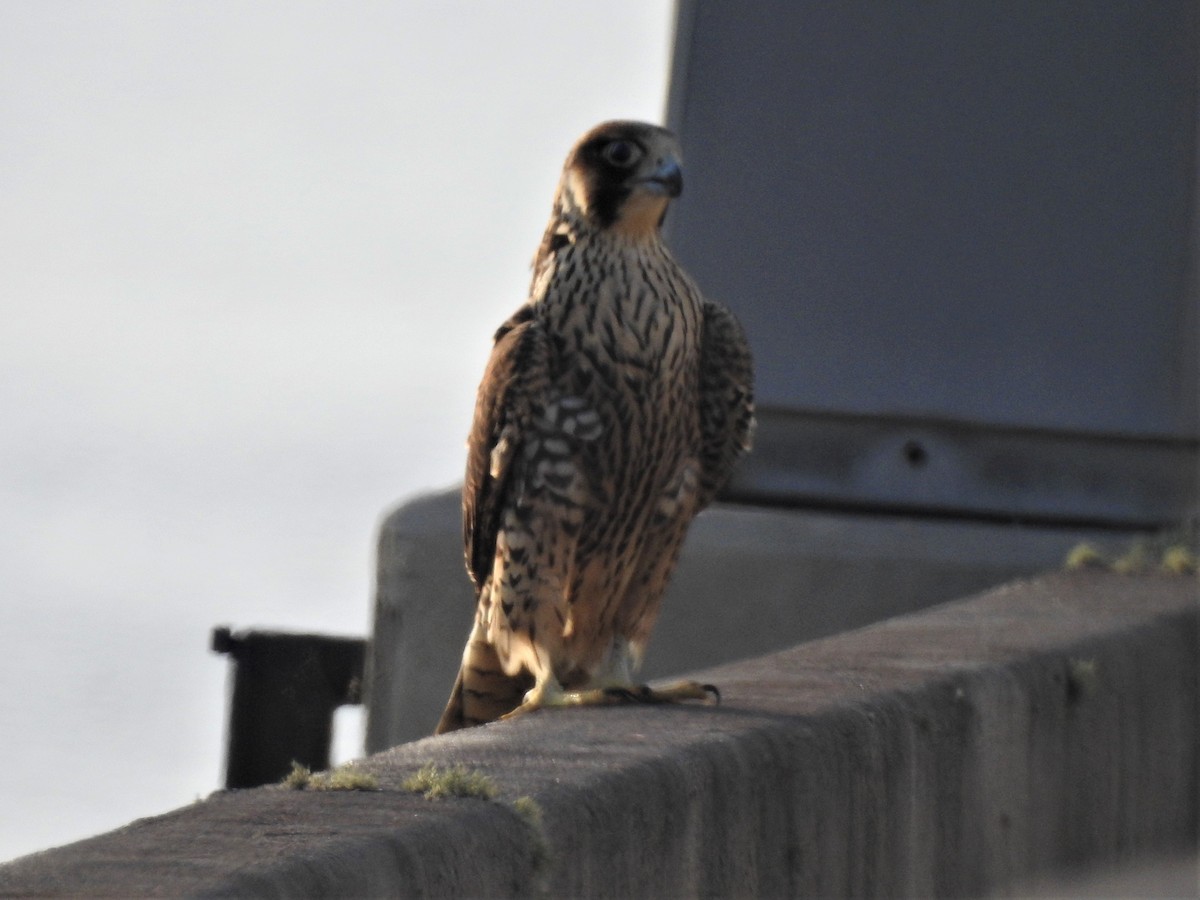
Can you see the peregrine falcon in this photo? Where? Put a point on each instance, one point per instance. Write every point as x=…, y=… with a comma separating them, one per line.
x=613, y=408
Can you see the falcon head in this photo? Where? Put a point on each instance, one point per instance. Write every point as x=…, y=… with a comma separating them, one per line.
x=622, y=175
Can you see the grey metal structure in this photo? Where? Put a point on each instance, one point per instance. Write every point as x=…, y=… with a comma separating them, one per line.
x=963, y=239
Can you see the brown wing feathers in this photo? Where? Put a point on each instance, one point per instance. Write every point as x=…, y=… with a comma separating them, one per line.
x=503, y=408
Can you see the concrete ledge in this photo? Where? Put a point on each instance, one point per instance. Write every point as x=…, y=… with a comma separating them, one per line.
x=955, y=751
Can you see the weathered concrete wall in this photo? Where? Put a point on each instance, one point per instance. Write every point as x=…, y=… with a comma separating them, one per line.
x=954, y=751
x=813, y=574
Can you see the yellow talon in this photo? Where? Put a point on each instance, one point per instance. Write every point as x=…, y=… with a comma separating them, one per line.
x=613, y=695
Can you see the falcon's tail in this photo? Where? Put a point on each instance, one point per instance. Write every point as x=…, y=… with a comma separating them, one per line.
x=482, y=692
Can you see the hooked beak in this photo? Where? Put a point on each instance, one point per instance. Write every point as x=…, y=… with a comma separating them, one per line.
x=667, y=178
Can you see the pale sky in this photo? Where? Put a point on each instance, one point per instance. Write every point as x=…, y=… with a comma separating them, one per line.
x=251, y=255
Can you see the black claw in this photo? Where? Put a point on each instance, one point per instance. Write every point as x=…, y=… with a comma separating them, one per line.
x=712, y=689
x=620, y=693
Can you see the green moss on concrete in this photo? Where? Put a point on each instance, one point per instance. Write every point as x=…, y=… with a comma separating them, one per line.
x=1174, y=551
x=1084, y=556
x=1137, y=560
x=343, y=778
x=1179, y=560
x=298, y=779
x=530, y=812
x=455, y=781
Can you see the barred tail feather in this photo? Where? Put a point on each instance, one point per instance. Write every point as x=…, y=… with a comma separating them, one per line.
x=482, y=692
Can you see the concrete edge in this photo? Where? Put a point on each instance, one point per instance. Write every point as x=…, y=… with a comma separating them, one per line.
x=956, y=751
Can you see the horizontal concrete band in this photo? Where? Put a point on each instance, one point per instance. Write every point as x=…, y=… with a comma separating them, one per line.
x=954, y=751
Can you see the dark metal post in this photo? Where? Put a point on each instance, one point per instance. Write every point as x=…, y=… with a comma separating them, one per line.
x=285, y=690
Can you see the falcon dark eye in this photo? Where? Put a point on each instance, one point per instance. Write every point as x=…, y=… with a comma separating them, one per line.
x=621, y=154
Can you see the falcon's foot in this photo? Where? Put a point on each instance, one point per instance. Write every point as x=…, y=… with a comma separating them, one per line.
x=548, y=697
x=672, y=693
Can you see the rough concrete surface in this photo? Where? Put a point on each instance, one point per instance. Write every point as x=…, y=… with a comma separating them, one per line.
x=962, y=750
x=812, y=574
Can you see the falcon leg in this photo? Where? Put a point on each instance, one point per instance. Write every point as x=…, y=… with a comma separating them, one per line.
x=614, y=683
x=643, y=693
x=615, y=695
x=611, y=686
x=544, y=695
